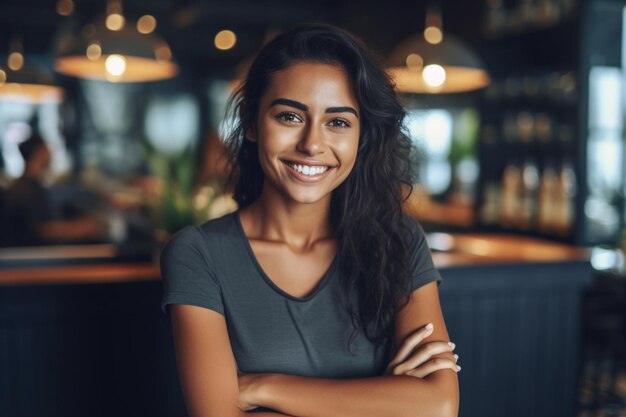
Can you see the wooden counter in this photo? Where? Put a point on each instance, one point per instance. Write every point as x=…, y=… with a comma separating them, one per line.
x=455, y=251
x=76, y=274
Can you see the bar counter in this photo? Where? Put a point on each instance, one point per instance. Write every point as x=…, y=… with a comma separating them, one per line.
x=90, y=338
x=458, y=250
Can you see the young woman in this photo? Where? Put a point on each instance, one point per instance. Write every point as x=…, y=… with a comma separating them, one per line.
x=318, y=296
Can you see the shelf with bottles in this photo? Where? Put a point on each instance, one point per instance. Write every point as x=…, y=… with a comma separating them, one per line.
x=552, y=141
x=528, y=178
x=531, y=197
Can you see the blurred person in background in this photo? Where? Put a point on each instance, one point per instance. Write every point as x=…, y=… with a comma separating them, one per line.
x=27, y=218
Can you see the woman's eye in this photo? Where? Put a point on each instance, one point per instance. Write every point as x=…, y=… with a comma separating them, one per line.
x=339, y=123
x=288, y=117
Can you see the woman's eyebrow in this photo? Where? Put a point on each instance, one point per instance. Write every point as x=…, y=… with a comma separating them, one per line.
x=291, y=103
x=342, y=110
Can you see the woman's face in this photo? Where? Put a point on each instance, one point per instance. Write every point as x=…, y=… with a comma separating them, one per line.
x=307, y=131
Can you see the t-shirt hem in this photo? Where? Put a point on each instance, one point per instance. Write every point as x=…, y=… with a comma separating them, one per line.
x=190, y=299
x=425, y=277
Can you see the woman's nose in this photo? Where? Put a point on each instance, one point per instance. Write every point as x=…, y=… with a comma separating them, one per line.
x=312, y=141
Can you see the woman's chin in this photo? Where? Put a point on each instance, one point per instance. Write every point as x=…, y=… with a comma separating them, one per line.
x=309, y=198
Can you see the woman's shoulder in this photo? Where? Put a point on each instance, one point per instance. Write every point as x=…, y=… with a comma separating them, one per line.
x=203, y=236
x=411, y=224
x=223, y=225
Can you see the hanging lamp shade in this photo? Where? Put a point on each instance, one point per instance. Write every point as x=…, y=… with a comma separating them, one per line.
x=417, y=66
x=124, y=55
x=28, y=83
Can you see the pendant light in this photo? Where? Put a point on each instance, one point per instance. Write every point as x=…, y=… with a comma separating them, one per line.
x=116, y=50
x=434, y=62
x=19, y=81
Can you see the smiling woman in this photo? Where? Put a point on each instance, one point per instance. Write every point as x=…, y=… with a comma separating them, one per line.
x=317, y=297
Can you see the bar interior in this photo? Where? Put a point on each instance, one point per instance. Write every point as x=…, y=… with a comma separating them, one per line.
x=111, y=122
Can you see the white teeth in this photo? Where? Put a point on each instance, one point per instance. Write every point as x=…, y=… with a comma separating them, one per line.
x=308, y=170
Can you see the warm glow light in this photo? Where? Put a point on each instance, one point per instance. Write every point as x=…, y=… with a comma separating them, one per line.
x=115, y=65
x=136, y=69
x=94, y=51
x=225, y=39
x=458, y=80
x=434, y=75
x=414, y=62
x=146, y=24
x=115, y=22
x=433, y=35
x=16, y=60
x=65, y=7
x=3, y=77
x=122, y=56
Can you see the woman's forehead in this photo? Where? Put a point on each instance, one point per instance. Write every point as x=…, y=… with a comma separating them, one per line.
x=313, y=81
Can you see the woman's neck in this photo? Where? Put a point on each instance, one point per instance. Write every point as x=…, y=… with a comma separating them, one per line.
x=298, y=225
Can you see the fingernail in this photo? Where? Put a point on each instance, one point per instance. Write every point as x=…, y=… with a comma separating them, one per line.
x=429, y=326
x=456, y=356
x=452, y=344
x=458, y=368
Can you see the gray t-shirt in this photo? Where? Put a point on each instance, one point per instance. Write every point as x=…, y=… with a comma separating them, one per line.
x=213, y=266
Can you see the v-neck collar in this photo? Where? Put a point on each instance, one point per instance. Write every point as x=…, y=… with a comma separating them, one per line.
x=246, y=243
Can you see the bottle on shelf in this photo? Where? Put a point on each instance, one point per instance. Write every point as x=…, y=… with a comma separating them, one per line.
x=547, y=199
x=566, y=192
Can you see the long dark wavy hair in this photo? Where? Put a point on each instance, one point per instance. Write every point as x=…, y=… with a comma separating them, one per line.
x=366, y=216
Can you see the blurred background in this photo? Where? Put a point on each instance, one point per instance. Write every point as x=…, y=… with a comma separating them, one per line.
x=112, y=115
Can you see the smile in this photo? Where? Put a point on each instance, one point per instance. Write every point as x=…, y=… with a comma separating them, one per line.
x=307, y=173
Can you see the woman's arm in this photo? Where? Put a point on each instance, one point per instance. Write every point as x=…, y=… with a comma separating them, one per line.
x=388, y=396
x=206, y=364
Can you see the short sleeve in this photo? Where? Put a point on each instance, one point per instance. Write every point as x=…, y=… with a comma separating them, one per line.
x=187, y=273
x=422, y=269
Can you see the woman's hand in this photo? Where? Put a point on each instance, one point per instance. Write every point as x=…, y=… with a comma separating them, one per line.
x=246, y=391
x=418, y=363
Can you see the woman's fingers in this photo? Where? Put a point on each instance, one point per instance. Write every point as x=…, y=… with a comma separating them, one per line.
x=409, y=344
x=432, y=366
x=421, y=356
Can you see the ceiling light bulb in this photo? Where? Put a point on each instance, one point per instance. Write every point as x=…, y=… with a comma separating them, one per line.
x=3, y=77
x=115, y=22
x=414, y=62
x=146, y=24
x=434, y=75
x=94, y=51
x=225, y=40
x=115, y=65
x=433, y=35
x=16, y=61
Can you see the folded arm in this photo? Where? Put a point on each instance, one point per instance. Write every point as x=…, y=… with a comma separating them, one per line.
x=390, y=395
x=206, y=364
